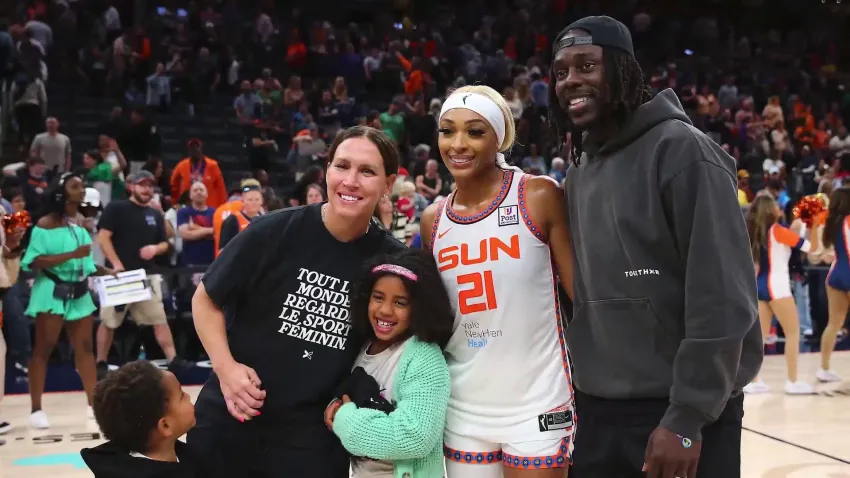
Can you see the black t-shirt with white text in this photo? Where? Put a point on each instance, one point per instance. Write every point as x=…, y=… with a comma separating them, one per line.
x=133, y=227
x=285, y=280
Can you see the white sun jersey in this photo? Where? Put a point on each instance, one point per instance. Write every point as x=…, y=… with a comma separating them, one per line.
x=507, y=357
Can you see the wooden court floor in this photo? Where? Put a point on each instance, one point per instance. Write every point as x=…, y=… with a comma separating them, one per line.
x=784, y=437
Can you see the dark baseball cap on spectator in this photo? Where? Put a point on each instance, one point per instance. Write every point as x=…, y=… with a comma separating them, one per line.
x=194, y=142
x=141, y=177
x=32, y=160
x=603, y=30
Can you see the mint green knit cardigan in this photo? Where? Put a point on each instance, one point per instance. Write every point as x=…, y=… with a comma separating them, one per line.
x=412, y=435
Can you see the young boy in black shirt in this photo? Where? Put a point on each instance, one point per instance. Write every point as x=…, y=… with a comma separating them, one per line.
x=142, y=411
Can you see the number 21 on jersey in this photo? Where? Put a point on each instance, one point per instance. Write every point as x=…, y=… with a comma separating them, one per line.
x=476, y=291
x=482, y=287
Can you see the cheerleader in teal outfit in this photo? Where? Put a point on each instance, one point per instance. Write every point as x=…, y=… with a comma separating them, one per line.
x=59, y=253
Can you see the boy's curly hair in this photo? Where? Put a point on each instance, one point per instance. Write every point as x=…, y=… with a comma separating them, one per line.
x=431, y=314
x=128, y=403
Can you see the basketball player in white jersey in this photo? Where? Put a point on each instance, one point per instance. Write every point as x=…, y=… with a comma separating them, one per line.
x=511, y=408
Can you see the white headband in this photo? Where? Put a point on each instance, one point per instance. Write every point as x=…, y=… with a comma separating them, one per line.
x=487, y=108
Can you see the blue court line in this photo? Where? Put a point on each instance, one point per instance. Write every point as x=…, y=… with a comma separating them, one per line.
x=73, y=459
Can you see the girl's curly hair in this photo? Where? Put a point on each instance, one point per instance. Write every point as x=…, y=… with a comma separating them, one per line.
x=431, y=313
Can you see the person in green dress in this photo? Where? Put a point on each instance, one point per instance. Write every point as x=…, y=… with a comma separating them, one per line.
x=59, y=252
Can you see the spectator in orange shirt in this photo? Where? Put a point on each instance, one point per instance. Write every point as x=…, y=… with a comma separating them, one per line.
x=806, y=134
x=821, y=133
x=234, y=204
x=198, y=167
x=416, y=78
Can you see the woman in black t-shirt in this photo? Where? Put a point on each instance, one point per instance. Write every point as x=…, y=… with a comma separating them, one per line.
x=285, y=282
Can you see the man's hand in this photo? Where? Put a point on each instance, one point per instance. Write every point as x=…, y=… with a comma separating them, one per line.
x=148, y=252
x=671, y=456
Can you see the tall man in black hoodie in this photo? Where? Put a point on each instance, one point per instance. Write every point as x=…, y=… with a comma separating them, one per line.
x=664, y=334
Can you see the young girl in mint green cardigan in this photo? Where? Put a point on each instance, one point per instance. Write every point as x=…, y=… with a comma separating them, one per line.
x=405, y=311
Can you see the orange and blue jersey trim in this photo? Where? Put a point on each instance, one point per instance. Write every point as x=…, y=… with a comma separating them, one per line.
x=440, y=207
x=473, y=218
x=532, y=226
x=557, y=460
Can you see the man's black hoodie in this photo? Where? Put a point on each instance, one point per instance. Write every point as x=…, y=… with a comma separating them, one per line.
x=665, y=289
x=111, y=461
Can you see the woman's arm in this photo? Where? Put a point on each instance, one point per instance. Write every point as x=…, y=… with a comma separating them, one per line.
x=9, y=253
x=547, y=211
x=12, y=248
x=209, y=324
x=36, y=259
x=818, y=253
x=48, y=261
x=415, y=427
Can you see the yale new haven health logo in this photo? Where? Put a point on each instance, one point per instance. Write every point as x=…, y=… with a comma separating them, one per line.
x=508, y=215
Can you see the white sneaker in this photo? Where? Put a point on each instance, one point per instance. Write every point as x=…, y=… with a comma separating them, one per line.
x=757, y=387
x=5, y=427
x=90, y=412
x=827, y=376
x=798, y=388
x=38, y=420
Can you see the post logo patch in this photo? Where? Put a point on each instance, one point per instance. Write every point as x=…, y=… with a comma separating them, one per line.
x=508, y=215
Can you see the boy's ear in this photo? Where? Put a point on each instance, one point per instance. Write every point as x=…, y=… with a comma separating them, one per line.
x=164, y=428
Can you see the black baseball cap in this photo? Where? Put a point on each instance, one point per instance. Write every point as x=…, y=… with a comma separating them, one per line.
x=603, y=30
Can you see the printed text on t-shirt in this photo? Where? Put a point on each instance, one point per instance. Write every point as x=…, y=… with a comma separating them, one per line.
x=318, y=311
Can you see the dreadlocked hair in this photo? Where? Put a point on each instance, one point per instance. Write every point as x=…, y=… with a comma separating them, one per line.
x=626, y=91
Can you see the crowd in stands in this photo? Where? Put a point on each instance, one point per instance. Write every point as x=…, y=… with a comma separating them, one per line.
x=774, y=98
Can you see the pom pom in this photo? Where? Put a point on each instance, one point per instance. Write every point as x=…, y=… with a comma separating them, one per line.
x=20, y=219
x=809, y=207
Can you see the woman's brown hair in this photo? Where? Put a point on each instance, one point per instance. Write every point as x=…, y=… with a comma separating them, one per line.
x=839, y=208
x=386, y=146
x=760, y=216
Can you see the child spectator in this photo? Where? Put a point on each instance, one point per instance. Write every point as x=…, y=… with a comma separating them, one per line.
x=142, y=411
x=394, y=426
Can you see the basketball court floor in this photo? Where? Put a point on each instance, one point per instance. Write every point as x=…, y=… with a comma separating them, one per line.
x=784, y=437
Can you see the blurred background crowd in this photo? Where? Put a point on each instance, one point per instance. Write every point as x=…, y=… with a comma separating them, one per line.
x=230, y=105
